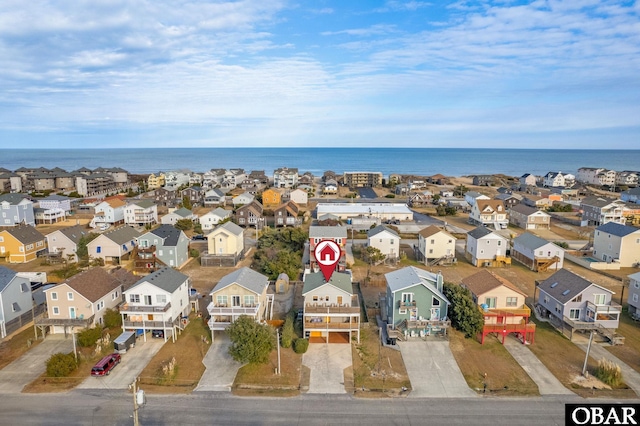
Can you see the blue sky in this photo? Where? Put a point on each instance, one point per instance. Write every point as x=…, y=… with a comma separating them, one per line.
x=153, y=73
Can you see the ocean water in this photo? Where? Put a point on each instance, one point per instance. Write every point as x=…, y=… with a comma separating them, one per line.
x=418, y=161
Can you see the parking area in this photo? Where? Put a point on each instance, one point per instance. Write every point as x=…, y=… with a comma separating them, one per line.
x=367, y=193
x=221, y=369
x=31, y=365
x=132, y=364
x=327, y=363
x=433, y=370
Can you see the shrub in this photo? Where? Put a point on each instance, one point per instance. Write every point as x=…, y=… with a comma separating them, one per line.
x=89, y=337
x=390, y=196
x=194, y=253
x=608, y=372
x=112, y=318
x=288, y=332
x=61, y=365
x=300, y=346
x=250, y=341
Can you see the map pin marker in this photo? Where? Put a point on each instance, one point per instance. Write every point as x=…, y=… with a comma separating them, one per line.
x=327, y=255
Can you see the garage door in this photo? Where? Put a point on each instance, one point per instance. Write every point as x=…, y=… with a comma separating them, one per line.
x=316, y=334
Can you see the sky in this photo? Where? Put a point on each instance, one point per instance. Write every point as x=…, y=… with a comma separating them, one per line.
x=322, y=73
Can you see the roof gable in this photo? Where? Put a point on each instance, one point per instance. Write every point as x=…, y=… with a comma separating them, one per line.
x=339, y=280
x=245, y=277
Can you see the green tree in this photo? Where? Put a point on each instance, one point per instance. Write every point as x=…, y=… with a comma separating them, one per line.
x=186, y=202
x=112, y=318
x=61, y=365
x=288, y=330
x=373, y=256
x=184, y=224
x=89, y=336
x=300, y=345
x=464, y=313
x=81, y=248
x=250, y=341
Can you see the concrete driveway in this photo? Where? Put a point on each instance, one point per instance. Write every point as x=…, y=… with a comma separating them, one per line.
x=327, y=363
x=547, y=382
x=132, y=364
x=221, y=369
x=433, y=370
x=31, y=365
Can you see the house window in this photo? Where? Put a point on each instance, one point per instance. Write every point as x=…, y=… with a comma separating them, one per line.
x=23, y=287
x=15, y=307
x=407, y=298
x=512, y=301
x=558, y=308
x=249, y=300
x=161, y=299
x=634, y=297
x=433, y=241
x=599, y=299
x=134, y=298
x=235, y=300
x=402, y=311
x=435, y=302
x=490, y=302
x=56, y=310
x=69, y=296
x=98, y=249
x=54, y=295
x=636, y=284
x=221, y=300
x=574, y=314
x=578, y=298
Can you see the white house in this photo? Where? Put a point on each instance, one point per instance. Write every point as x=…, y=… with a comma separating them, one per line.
x=471, y=196
x=537, y=253
x=486, y=248
x=490, y=213
x=633, y=299
x=613, y=242
x=159, y=301
x=384, y=239
x=65, y=241
x=141, y=213
x=299, y=196
x=109, y=211
x=242, y=199
x=210, y=220
x=178, y=214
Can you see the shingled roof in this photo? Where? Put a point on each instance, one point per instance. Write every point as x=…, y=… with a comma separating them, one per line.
x=26, y=234
x=484, y=281
x=564, y=285
x=95, y=283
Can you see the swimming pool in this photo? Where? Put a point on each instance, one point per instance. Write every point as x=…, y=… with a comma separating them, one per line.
x=592, y=259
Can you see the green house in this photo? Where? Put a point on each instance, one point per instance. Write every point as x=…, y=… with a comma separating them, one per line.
x=414, y=294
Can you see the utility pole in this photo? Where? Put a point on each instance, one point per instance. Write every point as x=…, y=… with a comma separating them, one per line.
x=586, y=357
x=278, y=345
x=136, y=420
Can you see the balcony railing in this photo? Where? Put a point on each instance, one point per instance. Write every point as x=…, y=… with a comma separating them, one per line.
x=323, y=325
x=127, y=308
x=522, y=311
x=406, y=304
x=225, y=310
x=611, y=307
x=147, y=324
x=69, y=322
x=509, y=328
x=333, y=308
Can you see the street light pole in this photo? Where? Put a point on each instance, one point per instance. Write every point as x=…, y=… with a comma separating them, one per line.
x=586, y=357
x=278, y=345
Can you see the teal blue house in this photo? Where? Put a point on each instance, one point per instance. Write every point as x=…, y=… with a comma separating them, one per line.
x=414, y=299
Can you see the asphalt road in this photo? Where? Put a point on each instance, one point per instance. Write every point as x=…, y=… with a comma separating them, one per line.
x=204, y=408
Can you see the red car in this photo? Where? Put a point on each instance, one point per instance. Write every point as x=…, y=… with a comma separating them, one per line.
x=105, y=365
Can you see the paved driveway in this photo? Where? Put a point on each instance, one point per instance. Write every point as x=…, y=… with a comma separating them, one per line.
x=327, y=363
x=547, y=382
x=221, y=369
x=132, y=364
x=29, y=366
x=433, y=370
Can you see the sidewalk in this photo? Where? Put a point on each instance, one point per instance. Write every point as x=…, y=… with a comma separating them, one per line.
x=630, y=376
x=547, y=382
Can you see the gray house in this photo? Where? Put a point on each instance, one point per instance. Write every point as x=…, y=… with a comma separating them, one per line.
x=15, y=299
x=16, y=209
x=171, y=245
x=572, y=302
x=537, y=253
x=634, y=295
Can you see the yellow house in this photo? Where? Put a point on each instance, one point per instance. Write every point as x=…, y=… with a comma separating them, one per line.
x=271, y=198
x=156, y=181
x=226, y=239
x=21, y=244
x=243, y=292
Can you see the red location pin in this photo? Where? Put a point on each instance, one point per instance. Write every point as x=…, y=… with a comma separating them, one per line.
x=327, y=255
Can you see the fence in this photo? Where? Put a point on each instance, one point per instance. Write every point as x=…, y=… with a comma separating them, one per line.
x=229, y=260
x=16, y=323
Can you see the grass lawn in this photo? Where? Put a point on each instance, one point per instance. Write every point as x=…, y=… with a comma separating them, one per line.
x=13, y=348
x=565, y=361
x=629, y=353
x=379, y=370
x=504, y=375
x=261, y=379
x=188, y=351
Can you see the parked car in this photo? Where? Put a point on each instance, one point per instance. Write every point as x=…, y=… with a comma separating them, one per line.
x=157, y=333
x=105, y=365
x=199, y=237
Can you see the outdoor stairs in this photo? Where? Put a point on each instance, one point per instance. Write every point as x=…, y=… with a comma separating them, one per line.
x=544, y=265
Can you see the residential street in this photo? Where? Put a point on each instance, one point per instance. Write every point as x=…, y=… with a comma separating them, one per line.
x=116, y=407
